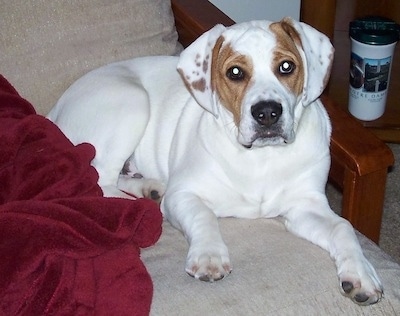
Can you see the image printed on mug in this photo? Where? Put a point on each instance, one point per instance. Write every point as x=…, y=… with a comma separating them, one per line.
x=372, y=75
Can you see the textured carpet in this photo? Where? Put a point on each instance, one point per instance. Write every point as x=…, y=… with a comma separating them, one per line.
x=390, y=230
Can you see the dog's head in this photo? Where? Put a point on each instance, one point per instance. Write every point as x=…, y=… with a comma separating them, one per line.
x=258, y=76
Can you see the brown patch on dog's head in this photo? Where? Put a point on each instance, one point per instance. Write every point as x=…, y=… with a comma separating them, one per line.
x=288, y=40
x=230, y=91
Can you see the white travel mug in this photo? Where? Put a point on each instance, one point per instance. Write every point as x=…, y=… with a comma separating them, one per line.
x=373, y=40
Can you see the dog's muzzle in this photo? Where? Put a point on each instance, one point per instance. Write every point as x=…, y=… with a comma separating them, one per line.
x=267, y=126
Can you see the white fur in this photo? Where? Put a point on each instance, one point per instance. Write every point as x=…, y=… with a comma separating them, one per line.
x=141, y=111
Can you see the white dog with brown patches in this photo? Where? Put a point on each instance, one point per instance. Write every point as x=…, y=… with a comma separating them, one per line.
x=232, y=127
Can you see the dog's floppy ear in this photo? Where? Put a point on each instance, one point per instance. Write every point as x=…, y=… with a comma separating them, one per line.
x=194, y=65
x=317, y=52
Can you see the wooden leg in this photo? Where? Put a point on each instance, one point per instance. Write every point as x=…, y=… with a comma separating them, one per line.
x=363, y=198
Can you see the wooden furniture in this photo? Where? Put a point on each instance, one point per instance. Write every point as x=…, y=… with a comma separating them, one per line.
x=333, y=19
x=359, y=159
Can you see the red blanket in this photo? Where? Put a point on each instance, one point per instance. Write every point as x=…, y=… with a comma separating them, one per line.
x=65, y=249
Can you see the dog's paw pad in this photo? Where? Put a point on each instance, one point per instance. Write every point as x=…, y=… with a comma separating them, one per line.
x=347, y=287
x=359, y=296
x=210, y=276
x=155, y=195
x=209, y=268
x=153, y=189
x=359, y=280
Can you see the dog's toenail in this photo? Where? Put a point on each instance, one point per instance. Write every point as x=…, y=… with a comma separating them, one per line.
x=154, y=195
x=347, y=287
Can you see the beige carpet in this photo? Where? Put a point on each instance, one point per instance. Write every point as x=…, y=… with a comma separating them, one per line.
x=390, y=231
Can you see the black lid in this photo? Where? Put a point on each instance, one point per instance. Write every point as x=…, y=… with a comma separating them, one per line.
x=375, y=30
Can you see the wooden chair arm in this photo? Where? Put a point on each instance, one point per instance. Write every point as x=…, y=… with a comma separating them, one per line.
x=194, y=17
x=353, y=145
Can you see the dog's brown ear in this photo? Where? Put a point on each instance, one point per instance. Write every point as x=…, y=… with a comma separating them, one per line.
x=316, y=51
x=195, y=68
x=287, y=25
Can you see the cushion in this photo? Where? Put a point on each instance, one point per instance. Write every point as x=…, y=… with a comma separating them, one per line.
x=46, y=45
x=274, y=273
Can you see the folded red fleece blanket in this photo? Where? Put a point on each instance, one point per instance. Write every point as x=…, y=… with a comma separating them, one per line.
x=65, y=249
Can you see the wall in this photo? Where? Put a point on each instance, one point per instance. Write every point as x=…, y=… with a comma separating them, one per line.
x=245, y=10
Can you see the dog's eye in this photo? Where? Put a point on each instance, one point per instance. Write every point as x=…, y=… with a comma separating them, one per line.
x=235, y=73
x=286, y=67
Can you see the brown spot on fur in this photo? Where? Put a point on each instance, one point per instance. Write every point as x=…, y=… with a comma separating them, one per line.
x=205, y=63
x=199, y=85
x=288, y=39
x=231, y=93
x=186, y=79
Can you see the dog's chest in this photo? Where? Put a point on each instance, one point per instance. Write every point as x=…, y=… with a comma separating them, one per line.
x=240, y=182
x=256, y=184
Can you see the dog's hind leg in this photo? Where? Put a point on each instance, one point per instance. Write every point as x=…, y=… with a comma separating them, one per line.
x=132, y=182
x=141, y=187
x=110, y=109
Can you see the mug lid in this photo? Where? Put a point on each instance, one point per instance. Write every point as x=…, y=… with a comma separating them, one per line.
x=375, y=30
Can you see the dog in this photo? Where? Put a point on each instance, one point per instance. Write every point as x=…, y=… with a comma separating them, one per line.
x=232, y=127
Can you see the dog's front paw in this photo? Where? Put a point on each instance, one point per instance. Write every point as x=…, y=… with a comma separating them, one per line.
x=209, y=265
x=360, y=282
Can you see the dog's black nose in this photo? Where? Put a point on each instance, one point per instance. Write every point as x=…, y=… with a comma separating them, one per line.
x=266, y=113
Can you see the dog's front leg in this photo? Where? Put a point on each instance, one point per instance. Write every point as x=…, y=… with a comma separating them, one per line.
x=208, y=257
x=313, y=220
